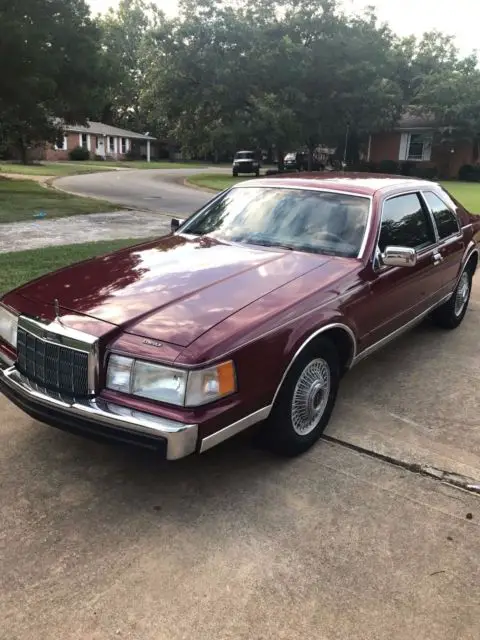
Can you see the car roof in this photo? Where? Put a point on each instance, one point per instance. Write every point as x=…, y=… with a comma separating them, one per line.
x=365, y=184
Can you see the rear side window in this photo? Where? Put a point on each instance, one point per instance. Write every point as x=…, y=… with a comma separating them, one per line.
x=445, y=219
x=405, y=223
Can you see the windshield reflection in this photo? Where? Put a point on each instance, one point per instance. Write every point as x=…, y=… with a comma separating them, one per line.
x=297, y=219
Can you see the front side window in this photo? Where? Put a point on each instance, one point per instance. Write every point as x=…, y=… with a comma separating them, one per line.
x=446, y=220
x=405, y=223
x=303, y=220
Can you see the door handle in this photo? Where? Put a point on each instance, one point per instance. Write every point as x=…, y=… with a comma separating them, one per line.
x=437, y=258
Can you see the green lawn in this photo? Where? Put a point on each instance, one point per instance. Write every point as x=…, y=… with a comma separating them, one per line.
x=467, y=193
x=22, y=266
x=215, y=181
x=88, y=166
x=20, y=200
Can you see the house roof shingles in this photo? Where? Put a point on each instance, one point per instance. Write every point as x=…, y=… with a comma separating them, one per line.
x=100, y=129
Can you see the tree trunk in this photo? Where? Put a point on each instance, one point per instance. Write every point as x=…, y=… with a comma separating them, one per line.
x=280, y=156
x=22, y=147
x=310, y=157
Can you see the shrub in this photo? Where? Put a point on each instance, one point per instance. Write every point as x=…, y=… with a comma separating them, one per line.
x=425, y=173
x=388, y=166
x=79, y=153
x=469, y=173
x=99, y=158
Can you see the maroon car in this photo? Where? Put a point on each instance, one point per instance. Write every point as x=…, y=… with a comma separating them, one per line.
x=250, y=312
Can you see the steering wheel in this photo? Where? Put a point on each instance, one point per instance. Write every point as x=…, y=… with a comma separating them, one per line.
x=329, y=234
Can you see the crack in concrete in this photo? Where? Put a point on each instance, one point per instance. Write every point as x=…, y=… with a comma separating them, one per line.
x=454, y=479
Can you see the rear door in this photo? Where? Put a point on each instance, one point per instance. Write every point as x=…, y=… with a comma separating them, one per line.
x=451, y=245
x=398, y=295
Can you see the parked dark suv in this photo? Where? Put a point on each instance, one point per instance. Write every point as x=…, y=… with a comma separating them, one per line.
x=245, y=162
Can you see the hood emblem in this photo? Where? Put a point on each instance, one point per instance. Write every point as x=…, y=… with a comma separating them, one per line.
x=153, y=343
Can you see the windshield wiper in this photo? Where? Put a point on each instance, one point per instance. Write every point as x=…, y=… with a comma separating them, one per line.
x=268, y=243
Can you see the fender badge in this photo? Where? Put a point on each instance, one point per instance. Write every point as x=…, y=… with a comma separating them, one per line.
x=153, y=343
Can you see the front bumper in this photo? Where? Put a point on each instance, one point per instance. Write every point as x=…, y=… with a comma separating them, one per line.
x=99, y=419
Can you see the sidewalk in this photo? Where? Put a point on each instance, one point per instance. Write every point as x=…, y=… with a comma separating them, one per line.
x=21, y=236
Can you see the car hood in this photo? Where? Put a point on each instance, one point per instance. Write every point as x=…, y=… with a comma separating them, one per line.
x=173, y=289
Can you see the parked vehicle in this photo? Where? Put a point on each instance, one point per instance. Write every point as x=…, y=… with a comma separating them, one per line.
x=245, y=162
x=249, y=312
x=296, y=161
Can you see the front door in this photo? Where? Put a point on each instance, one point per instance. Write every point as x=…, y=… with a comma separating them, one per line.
x=100, y=146
x=398, y=295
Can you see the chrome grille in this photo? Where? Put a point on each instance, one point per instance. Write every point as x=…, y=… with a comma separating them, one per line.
x=51, y=365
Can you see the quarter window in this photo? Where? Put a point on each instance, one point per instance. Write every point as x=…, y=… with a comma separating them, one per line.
x=445, y=219
x=405, y=223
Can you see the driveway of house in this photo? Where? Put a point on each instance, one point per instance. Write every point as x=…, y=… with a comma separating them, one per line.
x=98, y=542
x=156, y=190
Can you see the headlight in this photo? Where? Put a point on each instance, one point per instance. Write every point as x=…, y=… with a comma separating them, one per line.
x=173, y=386
x=8, y=327
x=159, y=383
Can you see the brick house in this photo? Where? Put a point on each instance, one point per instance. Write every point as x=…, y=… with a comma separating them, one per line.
x=416, y=140
x=100, y=140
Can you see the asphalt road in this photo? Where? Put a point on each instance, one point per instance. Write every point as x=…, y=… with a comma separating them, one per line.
x=154, y=190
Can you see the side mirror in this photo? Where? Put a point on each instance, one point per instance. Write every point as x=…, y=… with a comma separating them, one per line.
x=399, y=257
x=175, y=224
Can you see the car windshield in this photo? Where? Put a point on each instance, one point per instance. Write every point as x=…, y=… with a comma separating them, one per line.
x=244, y=155
x=298, y=219
x=289, y=156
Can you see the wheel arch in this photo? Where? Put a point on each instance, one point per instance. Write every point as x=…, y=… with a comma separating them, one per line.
x=342, y=337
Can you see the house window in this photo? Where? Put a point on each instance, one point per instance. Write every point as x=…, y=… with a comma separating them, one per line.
x=61, y=143
x=83, y=140
x=111, y=144
x=124, y=145
x=419, y=147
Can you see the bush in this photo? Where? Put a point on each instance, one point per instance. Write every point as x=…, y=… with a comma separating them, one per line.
x=388, y=166
x=469, y=173
x=99, y=158
x=79, y=153
x=425, y=173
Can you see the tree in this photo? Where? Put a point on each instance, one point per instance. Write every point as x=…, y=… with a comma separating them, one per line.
x=51, y=70
x=274, y=71
x=125, y=34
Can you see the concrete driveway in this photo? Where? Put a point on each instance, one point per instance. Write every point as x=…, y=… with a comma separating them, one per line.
x=154, y=190
x=98, y=542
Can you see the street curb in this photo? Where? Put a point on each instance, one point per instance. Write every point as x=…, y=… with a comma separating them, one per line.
x=188, y=184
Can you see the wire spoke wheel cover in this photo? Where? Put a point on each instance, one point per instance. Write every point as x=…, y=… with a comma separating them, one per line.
x=462, y=293
x=310, y=396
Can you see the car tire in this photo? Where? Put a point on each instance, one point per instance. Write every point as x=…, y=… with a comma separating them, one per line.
x=257, y=173
x=235, y=174
x=450, y=314
x=303, y=407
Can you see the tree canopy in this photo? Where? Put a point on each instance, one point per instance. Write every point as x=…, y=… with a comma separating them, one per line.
x=224, y=74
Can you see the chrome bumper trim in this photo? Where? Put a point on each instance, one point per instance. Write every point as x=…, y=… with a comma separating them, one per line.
x=233, y=429
x=181, y=438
